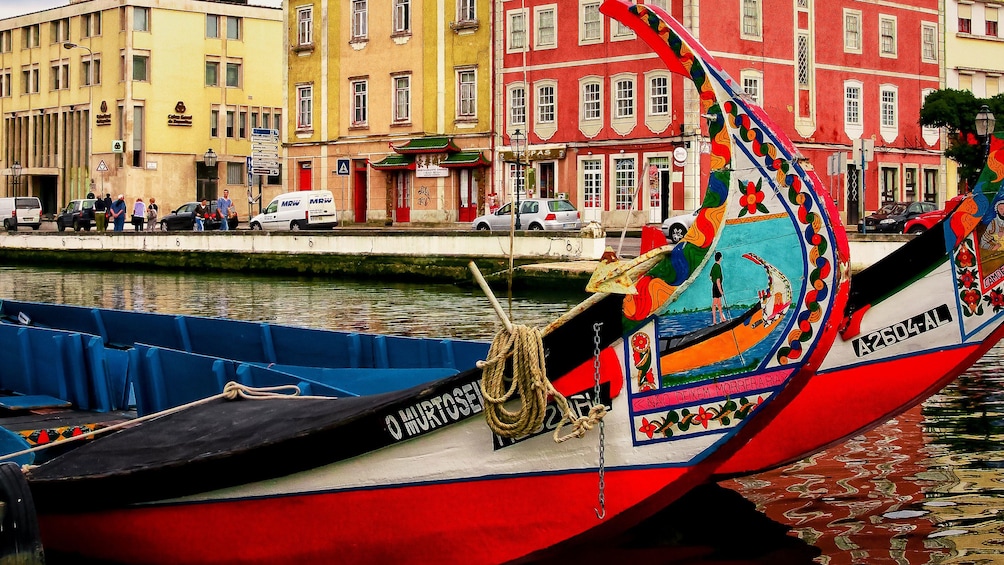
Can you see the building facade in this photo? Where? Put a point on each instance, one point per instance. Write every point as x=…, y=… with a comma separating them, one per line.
x=127, y=96
x=390, y=107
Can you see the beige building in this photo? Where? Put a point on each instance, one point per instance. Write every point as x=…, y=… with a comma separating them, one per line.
x=128, y=96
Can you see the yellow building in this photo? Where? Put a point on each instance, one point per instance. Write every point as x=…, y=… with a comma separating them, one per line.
x=128, y=96
x=390, y=106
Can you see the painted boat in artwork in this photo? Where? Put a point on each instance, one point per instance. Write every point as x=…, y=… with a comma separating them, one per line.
x=916, y=320
x=304, y=480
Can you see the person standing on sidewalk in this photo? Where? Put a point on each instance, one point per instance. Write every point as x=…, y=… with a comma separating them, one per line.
x=118, y=210
x=138, y=215
x=223, y=206
x=100, y=219
x=201, y=209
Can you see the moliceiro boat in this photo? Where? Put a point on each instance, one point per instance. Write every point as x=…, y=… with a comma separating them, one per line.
x=403, y=450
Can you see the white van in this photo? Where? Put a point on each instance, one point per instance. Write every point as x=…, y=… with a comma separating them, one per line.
x=21, y=211
x=302, y=210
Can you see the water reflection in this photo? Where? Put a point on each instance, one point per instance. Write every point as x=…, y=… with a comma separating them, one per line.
x=925, y=487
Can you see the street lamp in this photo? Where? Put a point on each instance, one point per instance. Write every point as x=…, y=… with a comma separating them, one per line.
x=16, y=173
x=90, y=100
x=985, y=121
x=518, y=142
x=209, y=159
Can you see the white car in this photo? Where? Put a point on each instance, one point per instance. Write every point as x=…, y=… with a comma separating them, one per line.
x=675, y=227
x=534, y=214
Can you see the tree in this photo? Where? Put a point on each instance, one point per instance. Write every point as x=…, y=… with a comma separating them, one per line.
x=955, y=110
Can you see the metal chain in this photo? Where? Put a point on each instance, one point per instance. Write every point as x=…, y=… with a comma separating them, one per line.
x=597, y=326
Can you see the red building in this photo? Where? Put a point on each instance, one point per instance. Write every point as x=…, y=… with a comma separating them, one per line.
x=604, y=116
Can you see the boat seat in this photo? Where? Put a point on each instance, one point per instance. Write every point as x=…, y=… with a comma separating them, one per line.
x=362, y=382
x=32, y=402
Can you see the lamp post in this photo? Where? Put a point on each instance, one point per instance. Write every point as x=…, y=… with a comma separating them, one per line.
x=16, y=173
x=518, y=142
x=90, y=101
x=209, y=159
x=985, y=122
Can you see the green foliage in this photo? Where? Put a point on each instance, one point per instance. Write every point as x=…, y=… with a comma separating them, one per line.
x=955, y=110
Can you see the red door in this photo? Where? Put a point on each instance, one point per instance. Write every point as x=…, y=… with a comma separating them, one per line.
x=468, y=201
x=402, y=200
x=359, y=192
x=305, y=177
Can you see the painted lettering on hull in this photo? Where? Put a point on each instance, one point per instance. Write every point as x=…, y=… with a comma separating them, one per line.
x=902, y=331
x=579, y=403
x=434, y=413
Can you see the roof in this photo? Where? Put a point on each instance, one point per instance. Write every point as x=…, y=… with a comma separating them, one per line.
x=465, y=159
x=395, y=162
x=427, y=145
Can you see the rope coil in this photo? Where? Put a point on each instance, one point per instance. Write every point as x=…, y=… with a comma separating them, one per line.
x=525, y=346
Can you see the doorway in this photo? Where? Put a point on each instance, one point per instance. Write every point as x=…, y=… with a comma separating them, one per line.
x=305, y=177
x=468, y=198
x=359, y=191
x=402, y=196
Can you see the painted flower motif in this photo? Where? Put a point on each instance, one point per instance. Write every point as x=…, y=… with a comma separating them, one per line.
x=965, y=258
x=648, y=428
x=752, y=201
x=995, y=299
x=971, y=298
x=703, y=417
x=966, y=279
x=639, y=341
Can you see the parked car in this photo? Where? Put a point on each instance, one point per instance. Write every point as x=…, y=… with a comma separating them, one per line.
x=675, y=227
x=892, y=216
x=78, y=214
x=183, y=218
x=298, y=210
x=534, y=214
x=21, y=211
x=925, y=221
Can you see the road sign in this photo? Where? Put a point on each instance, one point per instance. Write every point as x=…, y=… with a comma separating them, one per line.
x=266, y=171
x=102, y=167
x=342, y=168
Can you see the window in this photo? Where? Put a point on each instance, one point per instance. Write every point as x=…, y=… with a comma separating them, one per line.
x=546, y=104
x=29, y=36
x=888, y=108
x=658, y=96
x=60, y=73
x=235, y=173
x=231, y=130
x=264, y=119
x=141, y=67
x=624, y=98
x=305, y=25
x=402, y=98
x=965, y=18
x=966, y=81
x=141, y=18
x=592, y=183
x=993, y=86
x=360, y=102
x=852, y=31
x=5, y=83
x=138, y=126
x=803, y=59
x=59, y=30
x=890, y=185
x=402, y=16
x=545, y=36
x=592, y=108
x=590, y=23
x=304, y=106
x=212, y=26
x=990, y=14
x=465, y=11
x=360, y=19
x=664, y=4
x=90, y=24
x=242, y=124
x=624, y=173
x=752, y=85
x=467, y=103
x=29, y=80
x=5, y=41
x=517, y=31
x=233, y=75
x=852, y=104
x=887, y=36
x=233, y=27
x=212, y=73
x=929, y=42
x=90, y=71
x=751, y=19
x=517, y=105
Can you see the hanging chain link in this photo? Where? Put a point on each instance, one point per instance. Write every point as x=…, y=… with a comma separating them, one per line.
x=597, y=326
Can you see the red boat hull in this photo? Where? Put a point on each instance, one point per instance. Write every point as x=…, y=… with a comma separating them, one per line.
x=445, y=522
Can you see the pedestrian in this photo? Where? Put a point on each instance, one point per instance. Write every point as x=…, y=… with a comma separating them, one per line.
x=100, y=219
x=200, y=214
x=223, y=207
x=118, y=212
x=138, y=214
x=717, y=292
x=151, y=214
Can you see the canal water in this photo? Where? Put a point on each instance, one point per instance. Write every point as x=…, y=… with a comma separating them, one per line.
x=925, y=487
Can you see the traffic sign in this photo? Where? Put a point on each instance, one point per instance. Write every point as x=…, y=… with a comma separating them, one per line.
x=102, y=167
x=266, y=171
x=342, y=169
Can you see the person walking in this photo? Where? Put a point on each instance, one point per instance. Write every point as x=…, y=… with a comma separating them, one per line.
x=151, y=214
x=100, y=219
x=138, y=214
x=118, y=210
x=223, y=206
x=200, y=214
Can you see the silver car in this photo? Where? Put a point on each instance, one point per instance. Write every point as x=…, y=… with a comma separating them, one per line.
x=534, y=214
x=676, y=227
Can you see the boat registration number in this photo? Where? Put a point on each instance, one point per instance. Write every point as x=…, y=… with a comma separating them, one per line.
x=902, y=331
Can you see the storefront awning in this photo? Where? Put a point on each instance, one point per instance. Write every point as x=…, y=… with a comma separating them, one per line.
x=395, y=162
x=427, y=145
x=465, y=159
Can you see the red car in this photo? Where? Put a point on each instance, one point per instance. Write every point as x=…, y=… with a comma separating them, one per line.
x=925, y=221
